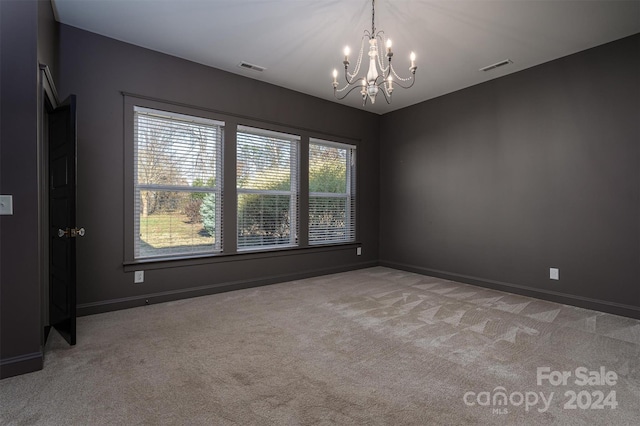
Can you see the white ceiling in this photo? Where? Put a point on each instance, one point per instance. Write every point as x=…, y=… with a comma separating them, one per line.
x=300, y=42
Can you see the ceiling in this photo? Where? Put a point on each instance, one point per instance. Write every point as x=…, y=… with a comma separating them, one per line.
x=300, y=42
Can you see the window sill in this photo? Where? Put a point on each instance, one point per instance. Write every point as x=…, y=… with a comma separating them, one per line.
x=241, y=255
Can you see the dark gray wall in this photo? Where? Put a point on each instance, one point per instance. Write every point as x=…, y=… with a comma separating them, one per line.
x=97, y=69
x=497, y=183
x=20, y=285
x=48, y=38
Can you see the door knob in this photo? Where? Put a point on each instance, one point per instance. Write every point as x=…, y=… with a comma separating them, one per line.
x=71, y=233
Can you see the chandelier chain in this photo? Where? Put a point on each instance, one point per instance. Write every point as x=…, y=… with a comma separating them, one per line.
x=398, y=77
x=358, y=62
x=373, y=18
x=380, y=55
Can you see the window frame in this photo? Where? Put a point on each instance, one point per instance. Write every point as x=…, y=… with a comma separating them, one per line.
x=349, y=195
x=230, y=251
x=133, y=104
x=293, y=192
x=163, y=116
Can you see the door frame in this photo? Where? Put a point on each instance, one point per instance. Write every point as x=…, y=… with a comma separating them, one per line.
x=48, y=100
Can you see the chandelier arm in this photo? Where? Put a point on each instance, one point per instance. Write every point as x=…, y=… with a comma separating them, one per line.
x=349, y=78
x=346, y=94
x=387, y=96
x=382, y=78
x=346, y=86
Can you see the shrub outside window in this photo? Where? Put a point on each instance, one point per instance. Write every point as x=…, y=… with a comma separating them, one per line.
x=331, y=192
x=267, y=188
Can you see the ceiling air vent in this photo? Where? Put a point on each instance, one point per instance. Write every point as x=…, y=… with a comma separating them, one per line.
x=496, y=65
x=248, y=66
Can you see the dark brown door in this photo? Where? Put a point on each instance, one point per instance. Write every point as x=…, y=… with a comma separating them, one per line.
x=62, y=219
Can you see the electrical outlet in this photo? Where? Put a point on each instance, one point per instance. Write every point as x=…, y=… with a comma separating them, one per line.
x=359, y=251
x=554, y=273
x=6, y=204
x=138, y=277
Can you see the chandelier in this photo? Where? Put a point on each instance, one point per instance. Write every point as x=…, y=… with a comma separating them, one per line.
x=374, y=81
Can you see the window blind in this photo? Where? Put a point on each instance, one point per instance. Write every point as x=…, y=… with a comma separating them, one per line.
x=178, y=181
x=332, y=212
x=267, y=185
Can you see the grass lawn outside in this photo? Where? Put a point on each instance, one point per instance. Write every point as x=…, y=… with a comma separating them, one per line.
x=173, y=230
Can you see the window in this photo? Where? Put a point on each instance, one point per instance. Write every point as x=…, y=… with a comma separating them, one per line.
x=267, y=185
x=331, y=192
x=178, y=173
x=177, y=183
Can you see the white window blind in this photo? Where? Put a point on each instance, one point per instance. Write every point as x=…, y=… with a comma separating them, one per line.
x=267, y=183
x=178, y=181
x=332, y=196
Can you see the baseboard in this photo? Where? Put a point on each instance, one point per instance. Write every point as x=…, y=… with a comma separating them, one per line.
x=167, y=296
x=21, y=364
x=553, y=296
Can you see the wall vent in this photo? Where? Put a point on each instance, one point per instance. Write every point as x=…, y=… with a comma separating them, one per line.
x=248, y=66
x=496, y=65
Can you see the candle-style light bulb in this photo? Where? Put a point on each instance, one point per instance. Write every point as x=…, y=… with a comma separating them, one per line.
x=388, y=46
x=390, y=81
x=413, y=59
x=346, y=53
x=335, y=76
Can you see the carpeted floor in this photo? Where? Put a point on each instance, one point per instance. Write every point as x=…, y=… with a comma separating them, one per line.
x=369, y=347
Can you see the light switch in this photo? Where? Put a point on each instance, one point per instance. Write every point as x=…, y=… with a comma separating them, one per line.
x=6, y=204
x=554, y=273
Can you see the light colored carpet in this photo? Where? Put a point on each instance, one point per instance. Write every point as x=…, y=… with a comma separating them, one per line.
x=372, y=347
